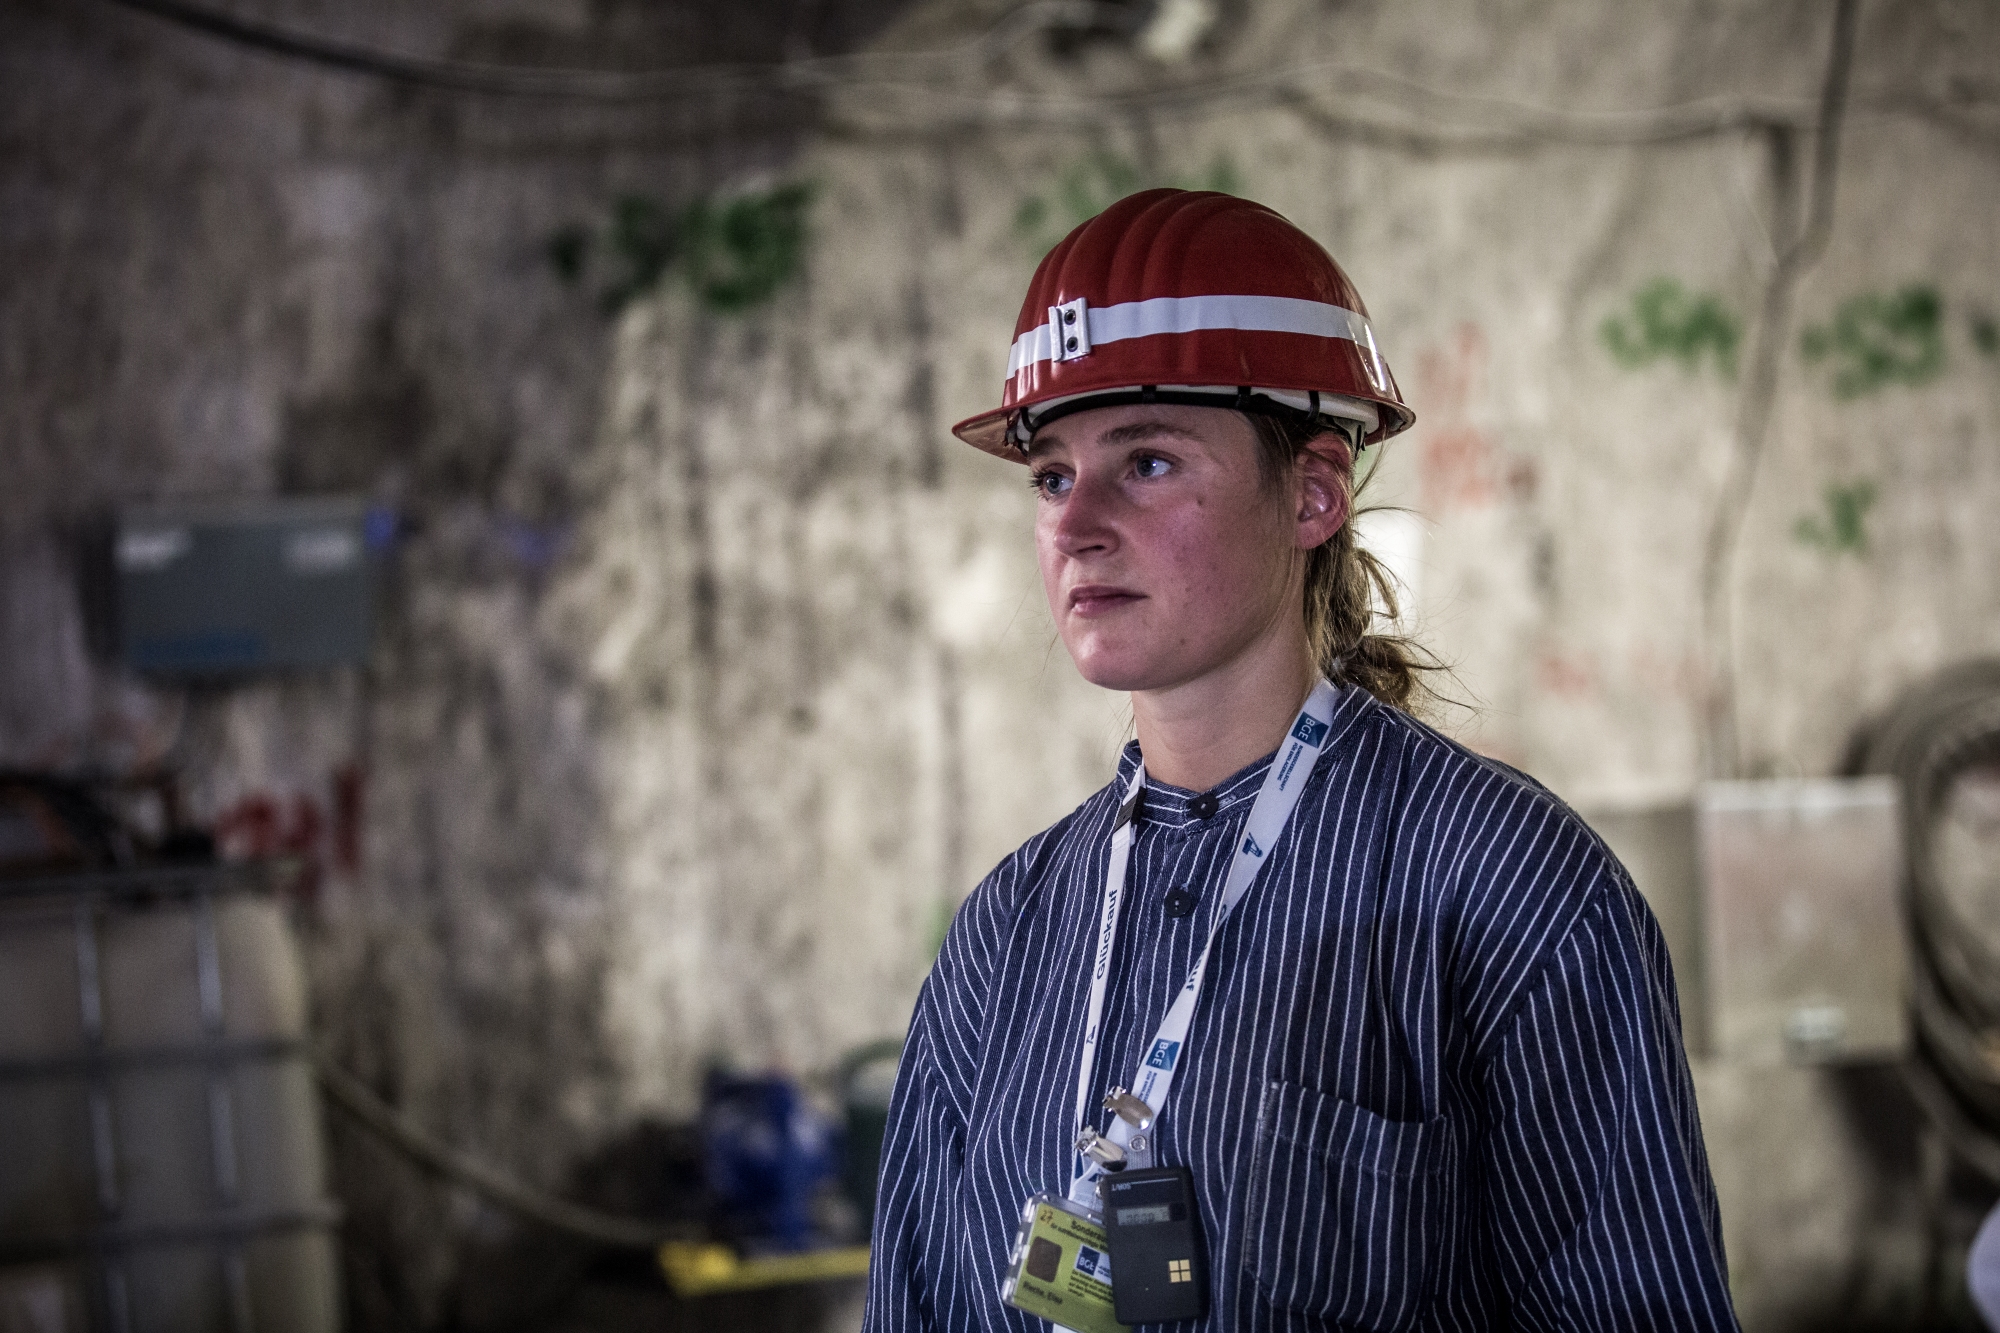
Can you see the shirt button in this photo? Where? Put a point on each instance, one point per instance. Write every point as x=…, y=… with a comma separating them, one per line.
x=1179, y=902
x=1203, y=806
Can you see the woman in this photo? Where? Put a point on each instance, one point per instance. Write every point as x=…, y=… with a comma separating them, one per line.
x=1390, y=1027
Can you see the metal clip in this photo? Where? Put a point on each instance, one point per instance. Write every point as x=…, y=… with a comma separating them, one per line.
x=1069, y=330
x=1101, y=1150
x=1128, y=1108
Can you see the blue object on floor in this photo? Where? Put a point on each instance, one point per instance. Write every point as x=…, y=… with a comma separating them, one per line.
x=1982, y=1270
x=767, y=1154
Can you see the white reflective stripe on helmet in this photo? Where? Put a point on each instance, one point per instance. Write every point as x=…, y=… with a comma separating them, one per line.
x=1193, y=314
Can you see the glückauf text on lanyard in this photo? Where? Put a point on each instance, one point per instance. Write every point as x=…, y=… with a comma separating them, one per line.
x=1122, y=1157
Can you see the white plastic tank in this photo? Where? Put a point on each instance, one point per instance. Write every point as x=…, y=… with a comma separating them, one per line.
x=161, y=1162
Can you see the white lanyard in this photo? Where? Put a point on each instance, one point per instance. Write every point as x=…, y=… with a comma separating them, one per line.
x=1283, y=783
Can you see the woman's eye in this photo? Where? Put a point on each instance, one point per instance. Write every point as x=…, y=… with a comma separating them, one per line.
x=1151, y=465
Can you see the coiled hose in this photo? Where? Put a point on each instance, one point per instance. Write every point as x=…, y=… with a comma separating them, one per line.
x=1938, y=732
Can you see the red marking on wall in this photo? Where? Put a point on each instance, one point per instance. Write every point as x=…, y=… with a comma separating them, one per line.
x=1567, y=675
x=1459, y=463
x=264, y=825
x=1659, y=673
x=1457, y=468
x=250, y=829
x=1646, y=670
x=348, y=790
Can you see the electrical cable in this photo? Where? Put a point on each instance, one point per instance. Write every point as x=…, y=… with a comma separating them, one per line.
x=405, y=1136
x=1418, y=121
x=609, y=84
x=1771, y=334
x=1941, y=730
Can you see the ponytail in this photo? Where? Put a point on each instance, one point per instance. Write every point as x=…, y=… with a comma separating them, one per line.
x=1343, y=586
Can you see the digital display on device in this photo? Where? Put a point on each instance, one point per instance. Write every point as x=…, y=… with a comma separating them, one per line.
x=1149, y=1215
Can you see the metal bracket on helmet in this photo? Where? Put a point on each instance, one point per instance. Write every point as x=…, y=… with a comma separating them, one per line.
x=1069, y=330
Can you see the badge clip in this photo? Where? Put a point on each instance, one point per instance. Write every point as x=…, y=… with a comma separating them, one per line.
x=1128, y=1108
x=1101, y=1150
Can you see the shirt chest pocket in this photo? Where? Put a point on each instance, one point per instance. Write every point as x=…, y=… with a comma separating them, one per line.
x=1340, y=1208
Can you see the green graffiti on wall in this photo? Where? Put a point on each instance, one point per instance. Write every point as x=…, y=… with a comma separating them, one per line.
x=737, y=254
x=1092, y=184
x=734, y=254
x=1985, y=331
x=1842, y=524
x=642, y=245
x=1667, y=320
x=1875, y=340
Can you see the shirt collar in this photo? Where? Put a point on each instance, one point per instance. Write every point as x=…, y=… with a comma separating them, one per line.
x=1167, y=805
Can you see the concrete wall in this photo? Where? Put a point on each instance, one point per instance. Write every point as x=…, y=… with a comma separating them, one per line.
x=714, y=672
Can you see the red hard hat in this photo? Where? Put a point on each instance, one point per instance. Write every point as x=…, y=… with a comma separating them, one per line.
x=1182, y=296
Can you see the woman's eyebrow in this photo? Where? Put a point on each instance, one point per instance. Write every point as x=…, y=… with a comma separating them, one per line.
x=1145, y=430
x=1117, y=435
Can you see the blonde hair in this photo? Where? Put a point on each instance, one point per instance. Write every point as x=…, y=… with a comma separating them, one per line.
x=1343, y=583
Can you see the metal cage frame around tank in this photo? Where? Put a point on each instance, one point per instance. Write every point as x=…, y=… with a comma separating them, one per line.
x=104, y=1251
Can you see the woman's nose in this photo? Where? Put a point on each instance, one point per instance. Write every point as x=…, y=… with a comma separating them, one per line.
x=1084, y=522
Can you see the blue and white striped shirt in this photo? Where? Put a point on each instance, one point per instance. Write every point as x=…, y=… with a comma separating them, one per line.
x=1435, y=1080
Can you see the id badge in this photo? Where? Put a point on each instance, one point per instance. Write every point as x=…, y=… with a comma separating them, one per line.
x=1060, y=1267
x=1150, y=1226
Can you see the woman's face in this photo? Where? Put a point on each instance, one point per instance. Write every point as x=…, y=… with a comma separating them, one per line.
x=1164, y=555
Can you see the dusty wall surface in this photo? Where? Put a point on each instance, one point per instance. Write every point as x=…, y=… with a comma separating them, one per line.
x=713, y=672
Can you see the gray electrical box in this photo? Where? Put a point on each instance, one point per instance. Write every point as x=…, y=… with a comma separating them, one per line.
x=1803, y=920
x=226, y=589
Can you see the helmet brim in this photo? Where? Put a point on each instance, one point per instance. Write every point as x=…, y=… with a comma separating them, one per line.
x=988, y=431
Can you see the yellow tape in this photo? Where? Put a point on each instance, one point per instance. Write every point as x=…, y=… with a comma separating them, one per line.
x=700, y=1270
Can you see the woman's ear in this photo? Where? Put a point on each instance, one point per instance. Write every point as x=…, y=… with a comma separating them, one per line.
x=1319, y=480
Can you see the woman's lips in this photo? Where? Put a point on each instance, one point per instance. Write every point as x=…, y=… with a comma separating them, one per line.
x=1097, y=599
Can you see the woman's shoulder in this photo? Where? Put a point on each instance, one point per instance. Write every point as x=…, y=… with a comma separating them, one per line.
x=1502, y=867
x=1457, y=800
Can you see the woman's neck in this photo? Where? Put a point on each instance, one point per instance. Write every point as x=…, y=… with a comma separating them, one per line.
x=1195, y=734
